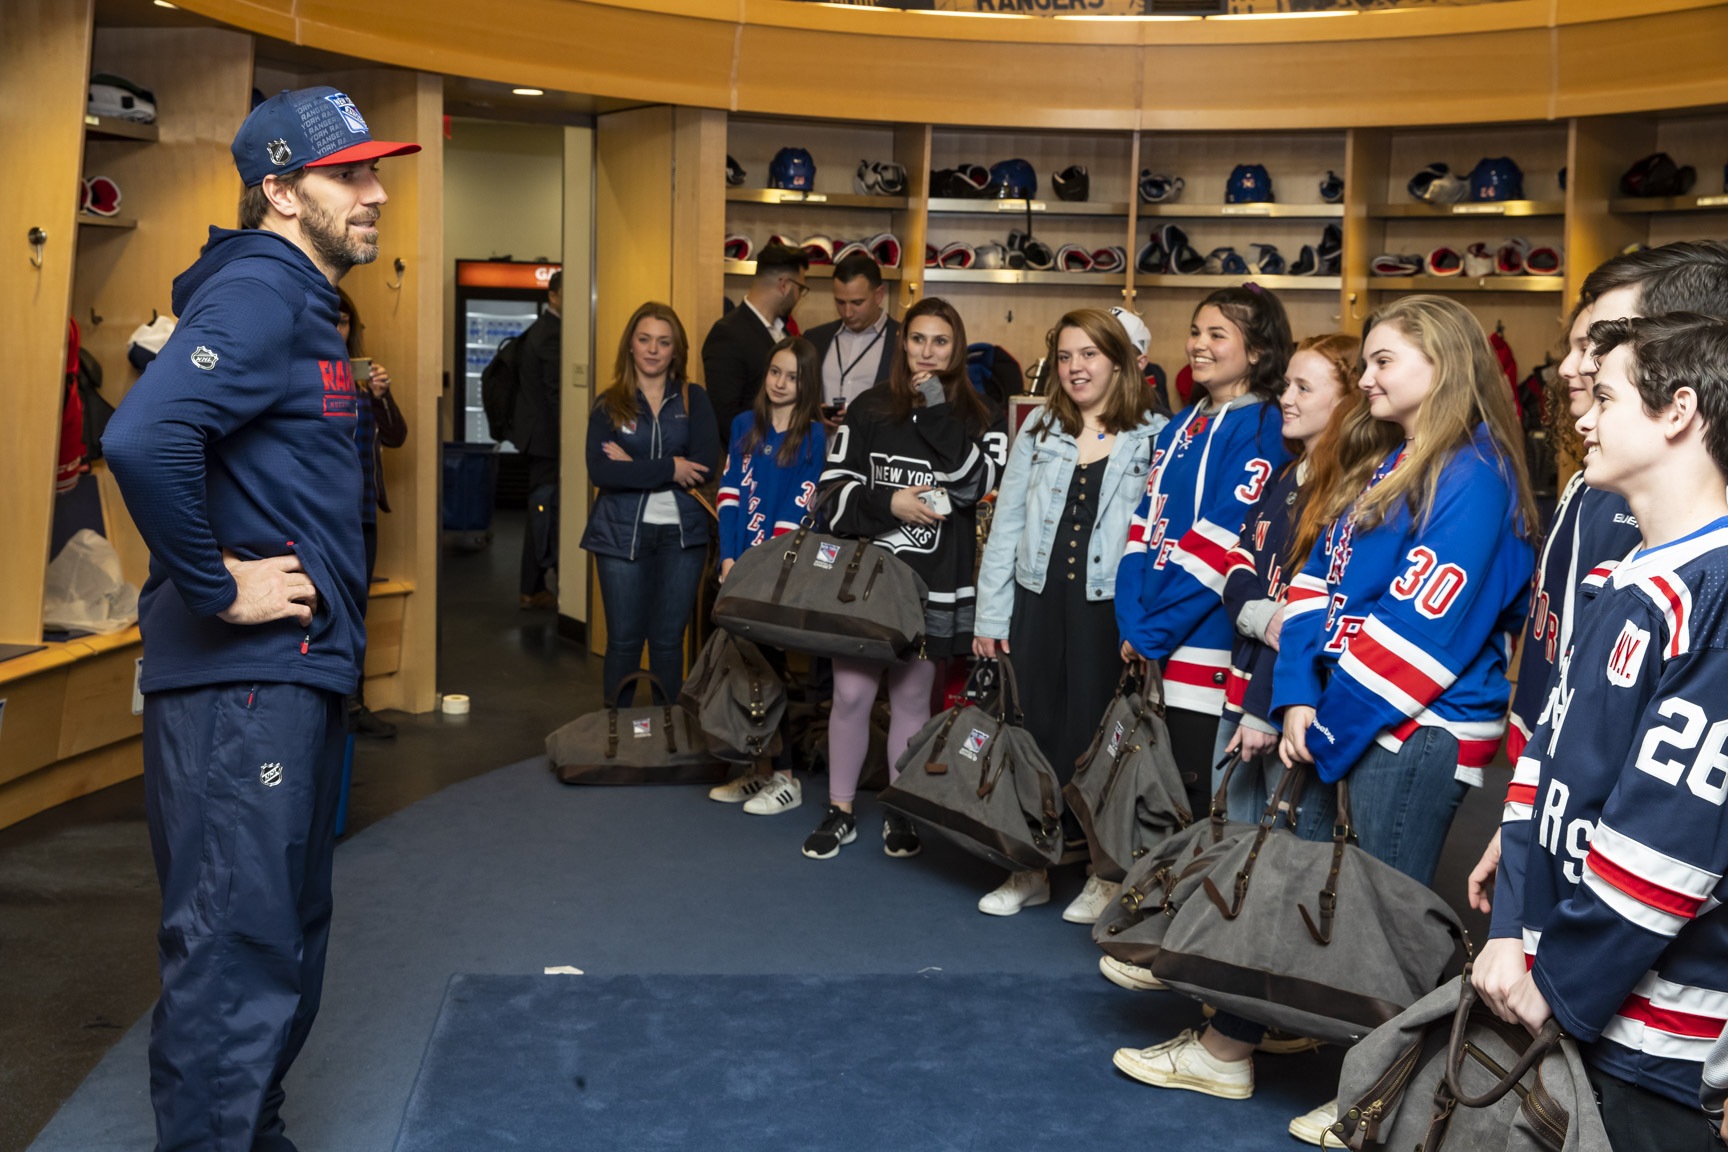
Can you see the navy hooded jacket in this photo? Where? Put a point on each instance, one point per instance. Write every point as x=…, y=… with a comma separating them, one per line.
x=240, y=435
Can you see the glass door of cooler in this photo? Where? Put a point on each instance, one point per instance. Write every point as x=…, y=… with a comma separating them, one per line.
x=486, y=324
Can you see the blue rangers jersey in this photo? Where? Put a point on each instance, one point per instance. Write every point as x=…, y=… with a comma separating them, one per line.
x=1257, y=572
x=1408, y=624
x=1208, y=469
x=1614, y=839
x=759, y=497
x=1590, y=526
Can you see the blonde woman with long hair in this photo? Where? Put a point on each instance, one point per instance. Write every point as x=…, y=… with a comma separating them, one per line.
x=1047, y=585
x=1392, y=667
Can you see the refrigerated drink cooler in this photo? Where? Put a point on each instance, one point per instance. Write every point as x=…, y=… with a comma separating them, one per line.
x=495, y=299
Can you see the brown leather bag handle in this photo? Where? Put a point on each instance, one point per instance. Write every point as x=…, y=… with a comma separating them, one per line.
x=1343, y=832
x=1268, y=821
x=1539, y=1048
x=1220, y=799
x=1008, y=702
x=612, y=711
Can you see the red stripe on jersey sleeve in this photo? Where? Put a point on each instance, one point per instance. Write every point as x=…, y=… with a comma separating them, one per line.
x=1677, y=611
x=1671, y=1019
x=1642, y=890
x=1206, y=550
x=1521, y=794
x=1388, y=665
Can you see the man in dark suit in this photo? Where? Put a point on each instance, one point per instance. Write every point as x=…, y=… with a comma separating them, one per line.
x=857, y=350
x=538, y=434
x=735, y=354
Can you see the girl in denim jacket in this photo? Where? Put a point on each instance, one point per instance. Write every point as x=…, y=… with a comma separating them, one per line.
x=1048, y=578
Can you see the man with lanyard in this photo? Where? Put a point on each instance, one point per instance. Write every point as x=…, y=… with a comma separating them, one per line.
x=235, y=454
x=857, y=349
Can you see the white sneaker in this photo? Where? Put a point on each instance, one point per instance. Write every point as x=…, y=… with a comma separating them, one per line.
x=1185, y=1063
x=1092, y=901
x=1316, y=1127
x=1020, y=890
x=738, y=790
x=1129, y=976
x=782, y=793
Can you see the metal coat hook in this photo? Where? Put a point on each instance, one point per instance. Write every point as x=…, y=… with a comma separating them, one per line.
x=1354, y=315
x=401, y=266
x=36, y=238
x=95, y=320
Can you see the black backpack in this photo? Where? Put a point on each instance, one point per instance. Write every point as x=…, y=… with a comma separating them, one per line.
x=499, y=385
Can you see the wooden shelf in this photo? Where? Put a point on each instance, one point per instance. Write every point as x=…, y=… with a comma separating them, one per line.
x=1261, y=211
x=782, y=197
x=112, y=129
x=1276, y=283
x=955, y=206
x=1469, y=208
x=1111, y=280
x=1641, y=205
x=1467, y=283
x=748, y=268
x=91, y=220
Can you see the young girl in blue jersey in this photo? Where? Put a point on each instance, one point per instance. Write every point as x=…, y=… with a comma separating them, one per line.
x=1319, y=391
x=1392, y=661
x=773, y=459
x=1048, y=577
x=1209, y=466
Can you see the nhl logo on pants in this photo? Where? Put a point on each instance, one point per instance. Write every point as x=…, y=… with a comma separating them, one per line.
x=270, y=775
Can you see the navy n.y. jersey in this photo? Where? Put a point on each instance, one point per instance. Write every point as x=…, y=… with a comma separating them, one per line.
x=1590, y=526
x=1615, y=834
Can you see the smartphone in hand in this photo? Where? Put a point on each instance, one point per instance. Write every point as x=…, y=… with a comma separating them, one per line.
x=936, y=499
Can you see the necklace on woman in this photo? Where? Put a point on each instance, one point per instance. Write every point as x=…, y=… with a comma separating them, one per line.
x=1085, y=427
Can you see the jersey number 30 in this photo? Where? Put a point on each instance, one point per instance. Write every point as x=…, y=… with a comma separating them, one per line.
x=1433, y=586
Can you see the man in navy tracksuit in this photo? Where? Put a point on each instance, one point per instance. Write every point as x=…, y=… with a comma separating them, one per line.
x=235, y=453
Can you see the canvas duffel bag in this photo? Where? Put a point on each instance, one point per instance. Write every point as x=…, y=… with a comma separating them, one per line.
x=1315, y=938
x=659, y=744
x=737, y=698
x=824, y=595
x=1449, y=1074
x=1132, y=926
x=1127, y=792
x=980, y=779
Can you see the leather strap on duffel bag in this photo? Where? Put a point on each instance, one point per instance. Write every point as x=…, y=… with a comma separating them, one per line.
x=981, y=780
x=1447, y=1073
x=659, y=744
x=737, y=699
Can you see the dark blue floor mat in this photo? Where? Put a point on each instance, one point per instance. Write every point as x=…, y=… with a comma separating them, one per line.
x=930, y=1062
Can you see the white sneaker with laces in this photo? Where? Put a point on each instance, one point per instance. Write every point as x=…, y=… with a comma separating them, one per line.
x=1092, y=901
x=740, y=789
x=1316, y=1127
x=1020, y=890
x=781, y=794
x=1185, y=1063
x=1129, y=976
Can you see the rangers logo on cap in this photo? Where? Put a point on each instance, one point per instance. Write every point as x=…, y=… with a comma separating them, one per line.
x=279, y=152
x=350, y=114
x=974, y=744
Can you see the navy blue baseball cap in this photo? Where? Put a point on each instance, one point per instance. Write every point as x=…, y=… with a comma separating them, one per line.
x=306, y=128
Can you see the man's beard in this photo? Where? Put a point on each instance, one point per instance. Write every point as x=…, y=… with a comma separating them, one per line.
x=330, y=239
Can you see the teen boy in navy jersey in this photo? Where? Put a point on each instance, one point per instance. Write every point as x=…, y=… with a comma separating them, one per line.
x=235, y=454
x=1615, y=832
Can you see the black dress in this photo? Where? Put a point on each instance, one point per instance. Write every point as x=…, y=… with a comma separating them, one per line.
x=1064, y=647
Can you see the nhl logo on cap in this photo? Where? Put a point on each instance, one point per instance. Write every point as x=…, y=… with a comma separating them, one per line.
x=279, y=152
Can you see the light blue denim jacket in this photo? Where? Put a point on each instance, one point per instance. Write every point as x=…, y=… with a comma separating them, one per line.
x=1028, y=513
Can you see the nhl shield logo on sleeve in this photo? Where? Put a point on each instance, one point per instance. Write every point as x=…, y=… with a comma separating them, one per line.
x=203, y=358
x=1627, y=659
x=279, y=152
x=974, y=744
x=642, y=729
x=826, y=555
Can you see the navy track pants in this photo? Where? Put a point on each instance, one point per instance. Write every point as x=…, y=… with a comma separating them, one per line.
x=240, y=785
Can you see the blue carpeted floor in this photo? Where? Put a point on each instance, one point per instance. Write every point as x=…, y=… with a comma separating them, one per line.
x=938, y=1062
x=511, y=872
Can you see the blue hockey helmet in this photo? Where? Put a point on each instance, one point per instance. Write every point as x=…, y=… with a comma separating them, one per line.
x=1012, y=180
x=1496, y=179
x=793, y=170
x=1249, y=184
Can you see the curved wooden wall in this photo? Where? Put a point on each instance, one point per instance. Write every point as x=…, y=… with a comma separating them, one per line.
x=1513, y=60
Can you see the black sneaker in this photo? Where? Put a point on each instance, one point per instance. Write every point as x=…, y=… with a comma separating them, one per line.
x=362, y=721
x=837, y=828
x=899, y=838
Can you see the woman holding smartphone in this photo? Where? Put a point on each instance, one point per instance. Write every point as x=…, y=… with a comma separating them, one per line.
x=906, y=469
x=1048, y=579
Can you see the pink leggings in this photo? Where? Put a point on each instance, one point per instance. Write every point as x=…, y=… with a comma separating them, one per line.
x=855, y=681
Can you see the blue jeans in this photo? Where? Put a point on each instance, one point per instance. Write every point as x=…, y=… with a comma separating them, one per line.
x=648, y=600
x=1252, y=783
x=1402, y=803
